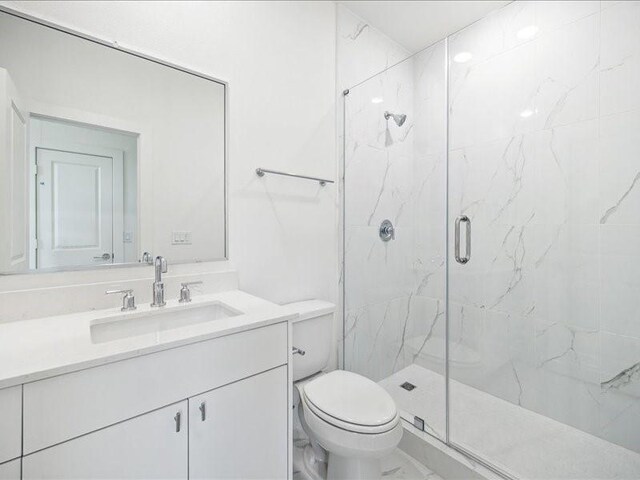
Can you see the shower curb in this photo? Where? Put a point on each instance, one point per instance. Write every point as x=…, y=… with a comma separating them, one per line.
x=441, y=458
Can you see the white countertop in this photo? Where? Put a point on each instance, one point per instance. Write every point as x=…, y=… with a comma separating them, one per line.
x=44, y=347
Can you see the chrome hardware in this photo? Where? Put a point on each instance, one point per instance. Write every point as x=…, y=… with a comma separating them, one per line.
x=399, y=118
x=323, y=181
x=298, y=351
x=147, y=258
x=387, y=231
x=467, y=255
x=203, y=411
x=160, y=265
x=104, y=256
x=177, y=419
x=185, y=293
x=128, y=301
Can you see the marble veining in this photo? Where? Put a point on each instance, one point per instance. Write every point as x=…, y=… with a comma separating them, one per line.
x=612, y=210
x=623, y=378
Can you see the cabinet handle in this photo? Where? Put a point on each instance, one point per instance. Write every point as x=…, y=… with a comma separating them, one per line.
x=177, y=418
x=203, y=411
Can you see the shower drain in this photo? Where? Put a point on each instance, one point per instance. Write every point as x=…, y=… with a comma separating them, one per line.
x=408, y=386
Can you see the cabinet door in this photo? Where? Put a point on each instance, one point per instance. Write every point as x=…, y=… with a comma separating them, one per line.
x=153, y=445
x=240, y=430
x=10, y=470
x=10, y=423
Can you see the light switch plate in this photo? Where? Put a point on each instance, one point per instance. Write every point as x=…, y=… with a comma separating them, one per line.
x=181, y=238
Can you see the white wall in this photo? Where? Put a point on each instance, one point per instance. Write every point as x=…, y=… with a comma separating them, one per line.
x=279, y=60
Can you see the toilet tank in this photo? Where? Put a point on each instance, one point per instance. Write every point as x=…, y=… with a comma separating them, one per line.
x=312, y=332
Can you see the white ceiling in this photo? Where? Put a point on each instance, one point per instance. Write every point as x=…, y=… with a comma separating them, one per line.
x=418, y=24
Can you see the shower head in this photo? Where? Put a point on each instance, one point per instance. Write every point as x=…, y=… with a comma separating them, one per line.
x=399, y=118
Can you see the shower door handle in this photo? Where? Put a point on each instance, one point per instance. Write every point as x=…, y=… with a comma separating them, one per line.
x=467, y=254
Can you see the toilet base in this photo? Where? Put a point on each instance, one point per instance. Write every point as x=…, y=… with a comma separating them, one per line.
x=306, y=465
x=353, y=468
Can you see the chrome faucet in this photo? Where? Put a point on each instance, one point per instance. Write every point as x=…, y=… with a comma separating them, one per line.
x=160, y=264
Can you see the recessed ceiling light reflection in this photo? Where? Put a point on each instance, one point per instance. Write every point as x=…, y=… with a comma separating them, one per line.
x=527, y=32
x=526, y=113
x=462, y=57
x=377, y=100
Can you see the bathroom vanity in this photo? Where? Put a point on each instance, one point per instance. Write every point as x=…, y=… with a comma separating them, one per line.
x=185, y=391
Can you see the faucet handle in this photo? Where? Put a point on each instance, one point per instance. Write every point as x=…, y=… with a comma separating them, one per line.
x=128, y=301
x=185, y=293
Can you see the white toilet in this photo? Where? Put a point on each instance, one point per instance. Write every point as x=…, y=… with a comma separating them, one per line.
x=351, y=417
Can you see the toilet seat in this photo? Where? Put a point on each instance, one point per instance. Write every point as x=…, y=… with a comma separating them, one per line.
x=351, y=402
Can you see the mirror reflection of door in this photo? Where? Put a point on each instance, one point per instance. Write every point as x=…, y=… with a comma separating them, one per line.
x=82, y=210
x=14, y=178
x=76, y=213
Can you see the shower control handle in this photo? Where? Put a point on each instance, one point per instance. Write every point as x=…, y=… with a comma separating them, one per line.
x=467, y=254
x=387, y=231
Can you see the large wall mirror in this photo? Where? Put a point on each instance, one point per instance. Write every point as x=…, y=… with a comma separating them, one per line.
x=105, y=155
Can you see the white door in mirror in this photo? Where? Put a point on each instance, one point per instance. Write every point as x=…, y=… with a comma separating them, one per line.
x=75, y=212
x=15, y=172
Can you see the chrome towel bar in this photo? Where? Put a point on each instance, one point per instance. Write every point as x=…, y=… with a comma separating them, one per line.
x=323, y=181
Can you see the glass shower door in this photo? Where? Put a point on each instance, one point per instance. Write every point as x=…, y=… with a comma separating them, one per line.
x=542, y=180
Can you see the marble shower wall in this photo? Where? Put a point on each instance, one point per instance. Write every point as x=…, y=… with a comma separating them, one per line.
x=395, y=290
x=362, y=52
x=544, y=158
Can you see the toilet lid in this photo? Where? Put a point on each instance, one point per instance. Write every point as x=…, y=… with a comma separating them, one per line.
x=351, y=398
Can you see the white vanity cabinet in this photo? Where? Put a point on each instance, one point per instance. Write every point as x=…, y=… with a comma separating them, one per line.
x=140, y=417
x=153, y=445
x=240, y=431
x=67, y=406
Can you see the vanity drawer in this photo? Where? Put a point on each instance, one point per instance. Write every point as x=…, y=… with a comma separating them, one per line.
x=10, y=423
x=64, y=407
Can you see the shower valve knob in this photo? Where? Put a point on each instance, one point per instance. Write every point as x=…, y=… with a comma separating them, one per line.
x=387, y=231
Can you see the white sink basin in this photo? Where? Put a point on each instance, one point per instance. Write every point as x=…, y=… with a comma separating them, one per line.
x=156, y=321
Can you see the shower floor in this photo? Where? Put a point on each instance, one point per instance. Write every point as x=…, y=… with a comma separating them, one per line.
x=521, y=442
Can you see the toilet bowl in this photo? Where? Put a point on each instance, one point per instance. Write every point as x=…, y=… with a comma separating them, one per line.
x=354, y=420
x=351, y=421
